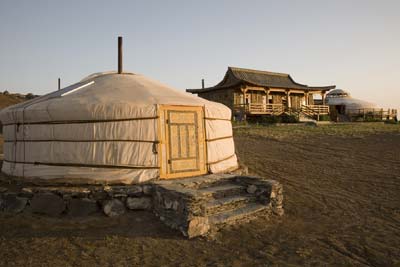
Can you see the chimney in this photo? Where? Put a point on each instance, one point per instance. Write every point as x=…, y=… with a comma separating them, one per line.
x=59, y=83
x=119, y=54
x=202, y=83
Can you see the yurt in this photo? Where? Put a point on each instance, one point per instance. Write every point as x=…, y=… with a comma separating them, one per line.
x=116, y=127
x=342, y=101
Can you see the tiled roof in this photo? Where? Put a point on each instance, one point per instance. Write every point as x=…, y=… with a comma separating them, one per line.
x=235, y=76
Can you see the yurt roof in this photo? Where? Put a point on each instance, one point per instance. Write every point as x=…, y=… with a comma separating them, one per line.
x=104, y=96
x=338, y=93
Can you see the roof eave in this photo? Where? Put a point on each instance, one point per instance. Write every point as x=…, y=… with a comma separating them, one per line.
x=322, y=88
x=214, y=88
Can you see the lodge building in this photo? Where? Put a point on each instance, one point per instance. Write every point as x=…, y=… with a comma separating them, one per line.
x=250, y=92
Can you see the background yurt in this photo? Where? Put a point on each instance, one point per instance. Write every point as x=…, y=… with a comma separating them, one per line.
x=343, y=107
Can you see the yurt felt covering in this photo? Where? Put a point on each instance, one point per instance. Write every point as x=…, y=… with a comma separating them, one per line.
x=104, y=129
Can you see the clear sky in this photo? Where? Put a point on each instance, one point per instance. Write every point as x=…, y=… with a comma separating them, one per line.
x=352, y=44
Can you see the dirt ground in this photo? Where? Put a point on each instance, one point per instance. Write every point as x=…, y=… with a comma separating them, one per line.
x=342, y=203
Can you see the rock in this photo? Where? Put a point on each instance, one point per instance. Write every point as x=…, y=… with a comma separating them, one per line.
x=107, y=188
x=147, y=189
x=279, y=211
x=120, y=195
x=82, y=207
x=113, y=208
x=26, y=192
x=134, y=191
x=14, y=204
x=139, y=203
x=99, y=195
x=80, y=192
x=168, y=204
x=48, y=204
x=198, y=226
x=175, y=205
x=3, y=189
x=251, y=189
x=66, y=197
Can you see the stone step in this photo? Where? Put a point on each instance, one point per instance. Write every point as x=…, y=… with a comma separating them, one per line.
x=227, y=203
x=223, y=190
x=231, y=216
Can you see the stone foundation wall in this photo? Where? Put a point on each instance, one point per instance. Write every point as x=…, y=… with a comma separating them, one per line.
x=76, y=201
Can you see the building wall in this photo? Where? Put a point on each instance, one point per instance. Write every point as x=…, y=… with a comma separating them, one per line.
x=277, y=98
x=296, y=100
x=224, y=96
x=310, y=99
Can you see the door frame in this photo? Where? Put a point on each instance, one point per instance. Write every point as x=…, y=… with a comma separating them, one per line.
x=163, y=145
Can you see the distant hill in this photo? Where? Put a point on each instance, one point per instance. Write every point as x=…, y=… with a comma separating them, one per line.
x=8, y=99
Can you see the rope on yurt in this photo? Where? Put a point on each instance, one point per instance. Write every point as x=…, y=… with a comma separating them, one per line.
x=216, y=119
x=218, y=138
x=87, y=165
x=83, y=141
x=218, y=161
x=86, y=121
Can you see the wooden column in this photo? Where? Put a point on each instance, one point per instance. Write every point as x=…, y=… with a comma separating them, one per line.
x=323, y=98
x=288, y=104
x=245, y=107
x=267, y=94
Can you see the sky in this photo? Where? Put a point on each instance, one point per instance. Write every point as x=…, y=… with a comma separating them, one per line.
x=354, y=45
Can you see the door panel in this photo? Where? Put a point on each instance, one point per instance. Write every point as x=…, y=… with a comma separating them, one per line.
x=182, y=141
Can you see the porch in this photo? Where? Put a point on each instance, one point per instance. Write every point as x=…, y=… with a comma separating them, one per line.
x=279, y=109
x=276, y=102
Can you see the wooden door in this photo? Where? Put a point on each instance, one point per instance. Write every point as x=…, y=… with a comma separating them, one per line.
x=182, y=141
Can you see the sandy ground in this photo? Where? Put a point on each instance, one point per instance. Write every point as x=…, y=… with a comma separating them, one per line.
x=342, y=204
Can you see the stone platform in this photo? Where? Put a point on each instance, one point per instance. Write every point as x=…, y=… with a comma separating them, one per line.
x=194, y=206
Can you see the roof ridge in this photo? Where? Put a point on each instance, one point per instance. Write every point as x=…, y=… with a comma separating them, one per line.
x=259, y=71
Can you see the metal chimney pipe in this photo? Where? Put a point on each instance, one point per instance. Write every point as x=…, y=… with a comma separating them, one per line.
x=59, y=83
x=119, y=54
x=202, y=83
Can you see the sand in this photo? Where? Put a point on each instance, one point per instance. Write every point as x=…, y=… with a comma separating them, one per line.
x=342, y=204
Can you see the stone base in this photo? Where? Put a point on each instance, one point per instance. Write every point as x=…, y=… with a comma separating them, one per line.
x=75, y=201
x=194, y=206
x=200, y=204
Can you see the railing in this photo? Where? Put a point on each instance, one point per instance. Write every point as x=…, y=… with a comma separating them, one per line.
x=260, y=108
x=278, y=109
x=312, y=110
x=372, y=113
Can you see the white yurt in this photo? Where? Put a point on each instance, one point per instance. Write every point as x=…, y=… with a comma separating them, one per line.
x=116, y=127
x=342, y=100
